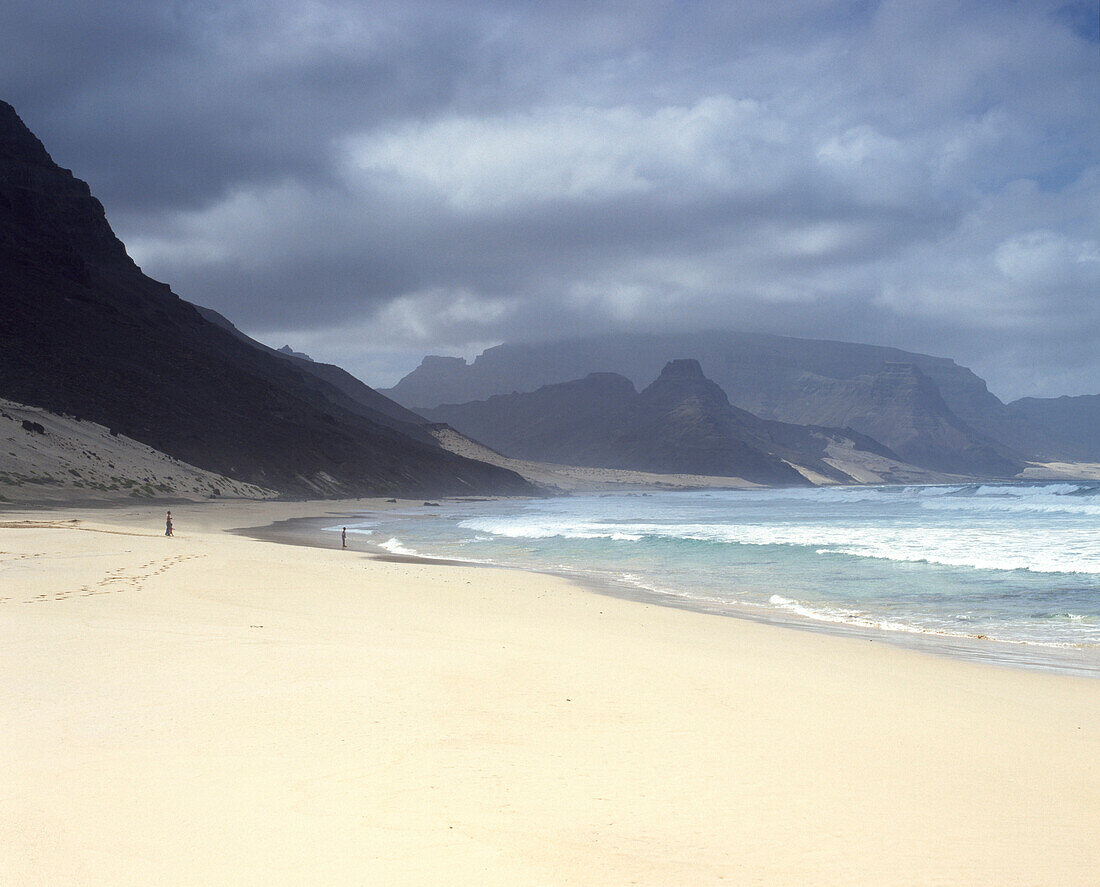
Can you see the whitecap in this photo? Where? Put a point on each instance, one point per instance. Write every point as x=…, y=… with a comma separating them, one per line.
x=394, y=546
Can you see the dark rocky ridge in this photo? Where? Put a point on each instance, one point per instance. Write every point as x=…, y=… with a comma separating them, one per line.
x=84, y=332
x=774, y=377
x=337, y=385
x=682, y=423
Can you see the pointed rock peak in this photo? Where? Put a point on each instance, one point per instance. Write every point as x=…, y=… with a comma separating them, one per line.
x=16, y=141
x=683, y=369
x=681, y=379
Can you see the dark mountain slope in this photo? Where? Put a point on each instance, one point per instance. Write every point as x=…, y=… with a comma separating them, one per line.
x=574, y=423
x=84, y=332
x=337, y=385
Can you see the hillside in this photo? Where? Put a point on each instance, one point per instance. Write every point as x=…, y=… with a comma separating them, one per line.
x=84, y=333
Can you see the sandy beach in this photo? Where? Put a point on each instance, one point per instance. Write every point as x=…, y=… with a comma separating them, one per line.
x=215, y=709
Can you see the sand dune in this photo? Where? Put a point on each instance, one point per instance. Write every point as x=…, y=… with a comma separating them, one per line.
x=1061, y=471
x=70, y=460
x=569, y=478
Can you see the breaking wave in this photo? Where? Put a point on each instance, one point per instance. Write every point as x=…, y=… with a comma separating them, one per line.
x=979, y=548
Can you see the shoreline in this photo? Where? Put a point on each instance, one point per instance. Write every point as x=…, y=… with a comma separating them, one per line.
x=212, y=708
x=308, y=532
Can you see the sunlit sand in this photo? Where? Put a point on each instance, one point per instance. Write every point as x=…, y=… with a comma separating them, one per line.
x=216, y=709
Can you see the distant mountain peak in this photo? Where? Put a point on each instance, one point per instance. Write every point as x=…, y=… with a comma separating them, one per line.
x=682, y=379
x=684, y=368
x=438, y=361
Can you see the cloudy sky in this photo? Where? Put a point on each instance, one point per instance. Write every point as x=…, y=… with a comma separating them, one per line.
x=371, y=182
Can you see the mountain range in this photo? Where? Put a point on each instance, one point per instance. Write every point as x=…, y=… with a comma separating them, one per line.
x=681, y=423
x=928, y=410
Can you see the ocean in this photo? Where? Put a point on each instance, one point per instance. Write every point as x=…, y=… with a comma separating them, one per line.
x=1006, y=572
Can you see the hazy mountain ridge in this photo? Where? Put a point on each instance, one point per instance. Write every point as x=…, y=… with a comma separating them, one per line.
x=752, y=368
x=681, y=423
x=800, y=381
x=83, y=332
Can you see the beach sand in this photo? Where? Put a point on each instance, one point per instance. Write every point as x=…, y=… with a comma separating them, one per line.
x=214, y=709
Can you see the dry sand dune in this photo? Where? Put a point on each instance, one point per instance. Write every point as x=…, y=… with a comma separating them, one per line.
x=45, y=457
x=569, y=478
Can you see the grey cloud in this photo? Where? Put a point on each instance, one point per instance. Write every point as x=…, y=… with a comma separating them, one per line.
x=437, y=176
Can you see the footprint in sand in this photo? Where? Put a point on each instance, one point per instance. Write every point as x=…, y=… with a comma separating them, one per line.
x=114, y=581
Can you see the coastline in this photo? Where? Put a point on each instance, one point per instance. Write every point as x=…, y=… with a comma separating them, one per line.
x=214, y=708
x=311, y=532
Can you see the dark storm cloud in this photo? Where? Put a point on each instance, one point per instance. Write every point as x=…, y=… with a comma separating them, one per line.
x=171, y=105
x=373, y=181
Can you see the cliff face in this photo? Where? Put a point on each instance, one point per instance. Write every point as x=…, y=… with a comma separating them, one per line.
x=49, y=220
x=681, y=424
x=900, y=405
x=84, y=332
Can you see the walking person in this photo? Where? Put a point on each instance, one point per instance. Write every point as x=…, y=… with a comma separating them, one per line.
x=168, y=525
x=344, y=538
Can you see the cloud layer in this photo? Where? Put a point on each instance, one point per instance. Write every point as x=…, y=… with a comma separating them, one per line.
x=375, y=181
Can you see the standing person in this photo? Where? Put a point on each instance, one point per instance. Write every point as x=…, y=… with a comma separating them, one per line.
x=344, y=538
x=168, y=525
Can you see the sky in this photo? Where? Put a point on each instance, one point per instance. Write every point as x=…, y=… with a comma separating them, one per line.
x=373, y=182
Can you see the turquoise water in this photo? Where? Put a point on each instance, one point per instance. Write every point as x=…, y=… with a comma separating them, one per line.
x=1015, y=563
